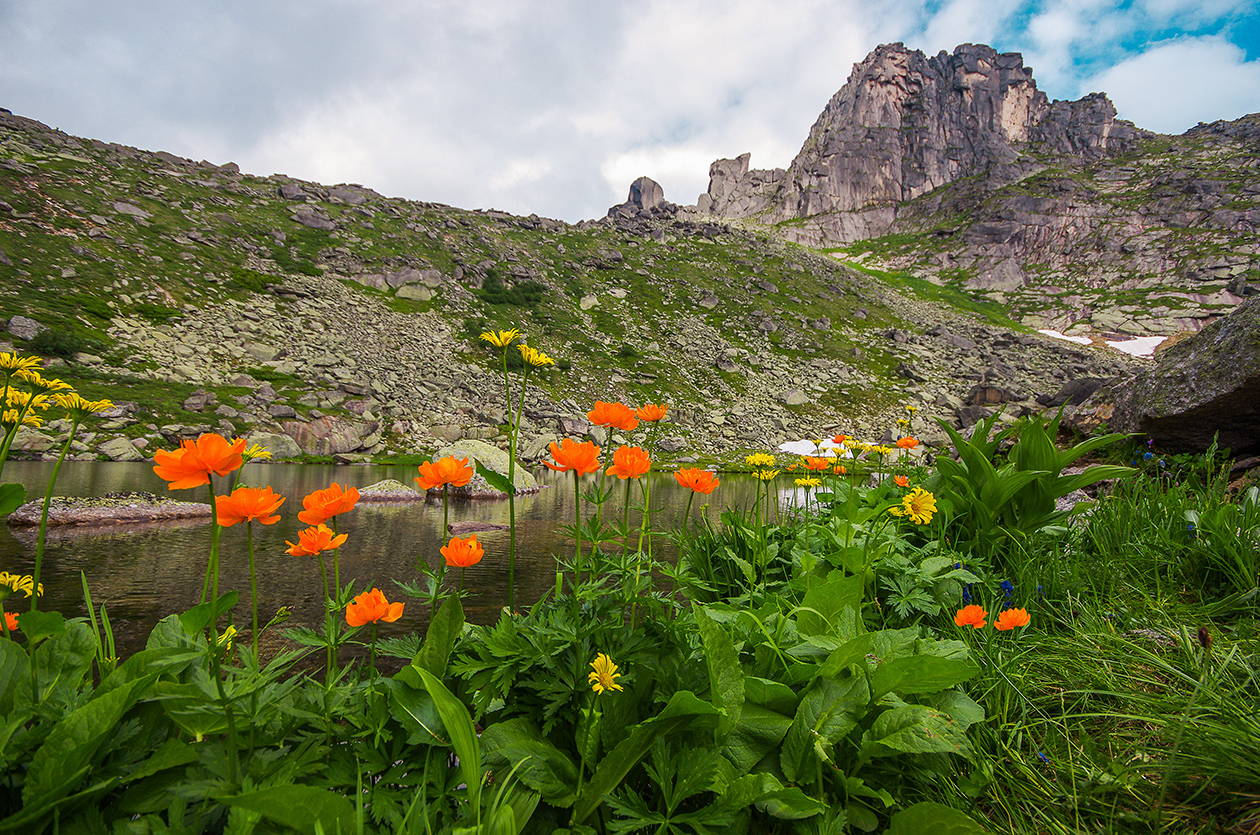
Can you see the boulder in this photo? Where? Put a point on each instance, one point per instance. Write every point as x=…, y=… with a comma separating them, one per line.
x=492, y=458
x=280, y=446
x=1206, y=386
x=120, y=449
x=24, y=328
x=324, y=436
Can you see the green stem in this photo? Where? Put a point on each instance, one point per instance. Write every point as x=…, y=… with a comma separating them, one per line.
x=625, y=524
x=253, y=583
x=644, y=528
x=43, y=518
x=512, y=439
x=372, y=654
x=323, y=575
x=437, y=591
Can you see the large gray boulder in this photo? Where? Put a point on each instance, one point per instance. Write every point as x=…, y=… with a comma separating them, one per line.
x=1206, y=386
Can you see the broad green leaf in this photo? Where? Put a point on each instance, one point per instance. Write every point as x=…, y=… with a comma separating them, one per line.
x=11, y=498
x=851, y=652
x=758, y=732
x=822, y=610
x=61, y=663
x=299, y=807
x=440, y=638
x=196, y=619
x=726, y=677
x=415, y=709
x=73, y=743
x=773, y=695
x=494, y=478
x=961, y=708
x=463, y=735
x=790, y=804
x=15, y=671
x=537, y=763
x=683, y=712
x=920, y=674
x=829, y=709
x=39, y=626
x=934, y=818
x=914, y=729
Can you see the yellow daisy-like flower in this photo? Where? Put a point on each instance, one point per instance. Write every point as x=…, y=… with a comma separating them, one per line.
x=40, y=384
x=918, y=504
x=605, y=675
x=256, y=451
x=535, y=357
x=760, y=459
x=10, y=417
x=13, y=583
x=226, y=638
x=808, y=482
x=11, y=364
x=78, y=408
x=766, y=475
x=912, y=409
x=501, y=339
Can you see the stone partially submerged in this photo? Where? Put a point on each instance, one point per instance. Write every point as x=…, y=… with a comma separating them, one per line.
x=1205, y=387
x=110, y=509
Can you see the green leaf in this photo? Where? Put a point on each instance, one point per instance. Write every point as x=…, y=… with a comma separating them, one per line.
x=773, y=695
x=463, y=735
x=440, y=638
x=299, y=807
x=539, y=764
x=61, y=663
x=920, y=674
x=845, y=655
x=829, y=709
x=683, y=712
x=38, y=626
x=15, y=671
x=935, y=818
x=495, y=479
x=726, y=677
x=758, y=732
x=11, y=498
x=196, y=619
x=914, y=729
x=415, y=709
x=823, y=609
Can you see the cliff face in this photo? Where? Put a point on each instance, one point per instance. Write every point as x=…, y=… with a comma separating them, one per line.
x=958, y=169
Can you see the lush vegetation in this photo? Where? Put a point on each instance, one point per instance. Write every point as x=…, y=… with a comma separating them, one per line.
x=891, y=644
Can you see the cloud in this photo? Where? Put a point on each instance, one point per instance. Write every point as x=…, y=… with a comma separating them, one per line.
x=1171, y=85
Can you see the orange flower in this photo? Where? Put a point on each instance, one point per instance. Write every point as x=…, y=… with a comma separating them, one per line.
x=1010, y=619
x=449, y=470
x=616, y=415
x=809, y=462
x=972, y=616
x=839, y=439
x=313, y=540
x=248, y=503
x=839, y=469
x=697, y=479
x=194, y=461
x=901, y=481
x=461, y=553
x=581, y=458
x=10, y=620
x=629, y=462
x=370, y=607
x=651, y=412
x=907, y=442
x=322, y=505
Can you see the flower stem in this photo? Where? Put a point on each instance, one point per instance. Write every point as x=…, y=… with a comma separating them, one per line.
x=253, y=583
x=43, y=518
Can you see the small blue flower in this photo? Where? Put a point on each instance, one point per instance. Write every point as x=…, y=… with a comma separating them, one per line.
x=1163, y=463
x=1008, y=587
x=1040, y=593
x=1147, y=456
x=967, y=593
x=1043, y=758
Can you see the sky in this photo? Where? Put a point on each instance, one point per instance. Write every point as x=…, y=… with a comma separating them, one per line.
x=553, y=107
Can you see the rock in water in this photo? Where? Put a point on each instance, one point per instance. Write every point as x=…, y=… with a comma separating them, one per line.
x=1205, y=386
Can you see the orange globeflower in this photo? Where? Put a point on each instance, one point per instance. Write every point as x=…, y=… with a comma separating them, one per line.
x=449, y=470
x=629, y=462
x=972, y=616
x=10, y=620
x=651, y=412
x=907, y=442
x=1010, y=619
x=322, y=505
x=194, y=461
x=461, y=553
x=696, y=479
x=840, y=439
x=581, y=458
x=616, y=415
x=810, y=462
x=370, y=607
x=247, y=503
x=901, y=481
x=839, y=469
x=313, y=540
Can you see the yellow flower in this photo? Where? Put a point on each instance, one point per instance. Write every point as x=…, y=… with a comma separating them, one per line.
x=766, y=475
x=40, y=384
x=13, y=583
x=501, y=339
x=11, y=364
x=78, y=408
x=605, y=675
x=256, y=451
x=918, y=504
x=226, y=638
x=760, y=459
x=912, y=409
x=808, y=482
x=10, y=417
x=534, y=357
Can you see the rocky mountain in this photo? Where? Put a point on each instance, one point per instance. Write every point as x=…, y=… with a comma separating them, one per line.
x=331, y=320
x=957, y=169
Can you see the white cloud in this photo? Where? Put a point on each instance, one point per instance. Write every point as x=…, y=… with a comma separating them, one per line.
x=1172, y=85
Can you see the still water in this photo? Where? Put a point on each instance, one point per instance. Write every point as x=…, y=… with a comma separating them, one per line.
x=143, y=572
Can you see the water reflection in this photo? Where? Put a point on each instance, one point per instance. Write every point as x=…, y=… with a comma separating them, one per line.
x=145, y=571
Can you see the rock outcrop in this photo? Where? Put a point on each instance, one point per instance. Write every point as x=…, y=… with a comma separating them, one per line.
x=1204, y=388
